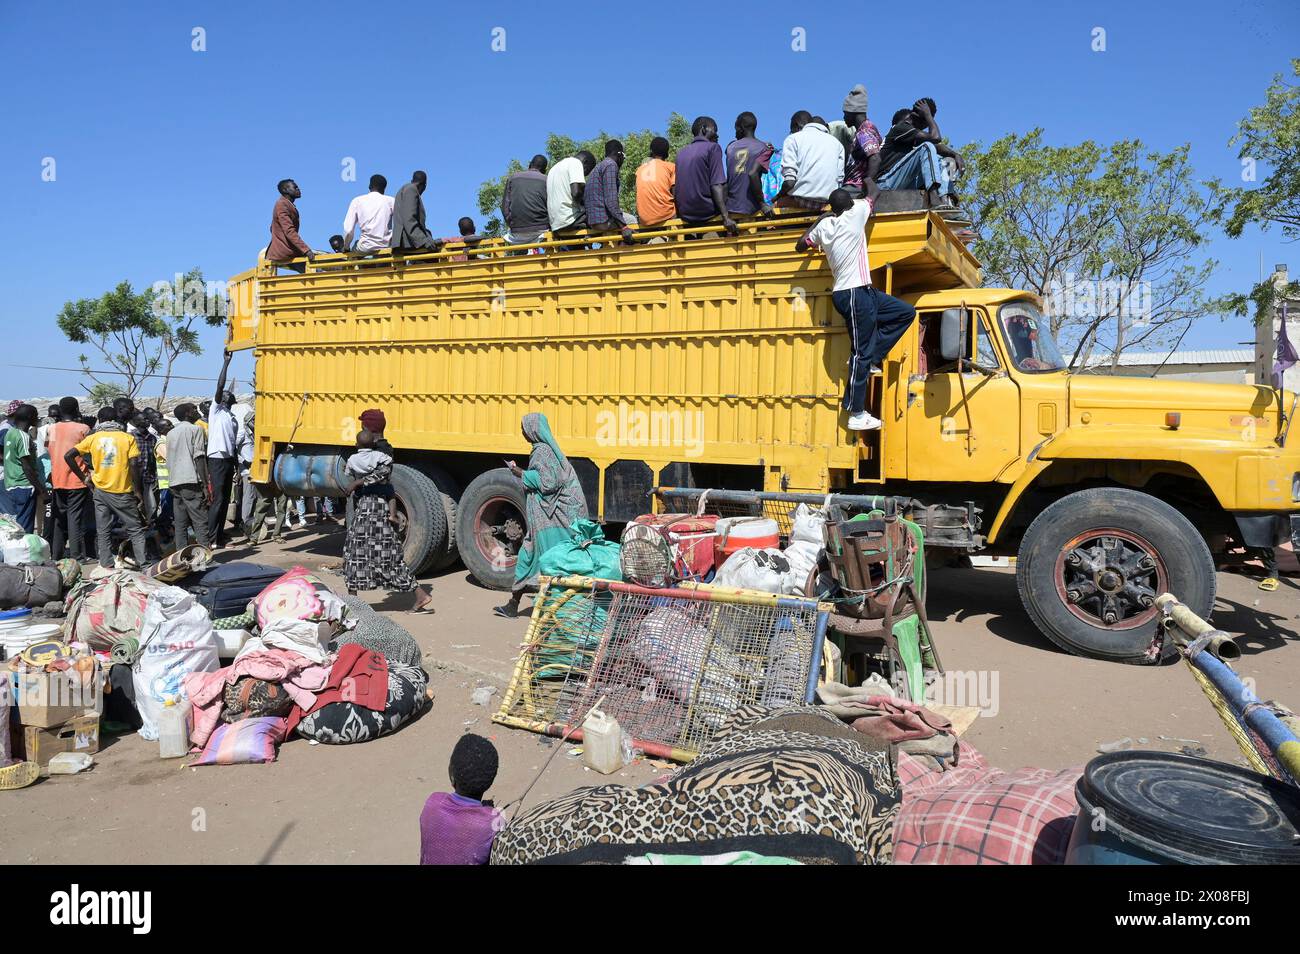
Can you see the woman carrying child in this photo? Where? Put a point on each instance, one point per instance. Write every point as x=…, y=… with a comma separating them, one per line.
x=372, y=554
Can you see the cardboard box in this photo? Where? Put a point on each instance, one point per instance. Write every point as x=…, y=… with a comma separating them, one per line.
x=47, y=699
x=77, y=735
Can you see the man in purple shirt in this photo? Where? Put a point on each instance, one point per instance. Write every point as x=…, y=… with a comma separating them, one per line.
x=702, y=178
x=747, y=159
x=457, y=828
x=601, y=195
x=864, y=150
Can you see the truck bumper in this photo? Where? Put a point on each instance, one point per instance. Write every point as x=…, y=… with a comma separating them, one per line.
x=1295, y=532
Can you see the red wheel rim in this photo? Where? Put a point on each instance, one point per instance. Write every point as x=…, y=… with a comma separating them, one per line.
x=499, y=530
x=1109, y=578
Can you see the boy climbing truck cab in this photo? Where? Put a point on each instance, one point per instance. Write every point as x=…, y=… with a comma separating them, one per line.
x=720, y=362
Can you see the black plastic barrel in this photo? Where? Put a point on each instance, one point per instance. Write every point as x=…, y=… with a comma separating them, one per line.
x=1151, y=808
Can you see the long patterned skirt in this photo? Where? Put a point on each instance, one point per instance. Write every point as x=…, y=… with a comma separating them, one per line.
x=372, y=555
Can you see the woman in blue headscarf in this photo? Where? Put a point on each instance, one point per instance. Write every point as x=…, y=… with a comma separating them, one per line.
x=553, y=502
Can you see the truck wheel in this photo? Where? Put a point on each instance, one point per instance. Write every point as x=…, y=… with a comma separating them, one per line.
x=1092, y=564
x=491, y=527
x=420, y=503
x=449, y=490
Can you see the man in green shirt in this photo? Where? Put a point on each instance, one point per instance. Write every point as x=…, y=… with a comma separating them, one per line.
x=24, y=486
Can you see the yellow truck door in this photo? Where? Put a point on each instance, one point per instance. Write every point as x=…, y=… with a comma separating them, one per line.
x=961, y=427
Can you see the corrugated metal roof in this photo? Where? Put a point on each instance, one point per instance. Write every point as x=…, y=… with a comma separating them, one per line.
x=1193, y=356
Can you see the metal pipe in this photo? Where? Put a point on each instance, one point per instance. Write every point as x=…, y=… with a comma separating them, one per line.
x=1245, y=704
x=1222, y=645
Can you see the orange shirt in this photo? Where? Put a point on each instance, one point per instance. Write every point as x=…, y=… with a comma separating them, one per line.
x=61, y=438
x=655, y=179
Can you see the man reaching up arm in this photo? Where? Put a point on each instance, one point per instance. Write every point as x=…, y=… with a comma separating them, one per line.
x=875, y=320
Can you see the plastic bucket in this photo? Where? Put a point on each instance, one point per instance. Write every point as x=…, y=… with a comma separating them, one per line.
x=11, y=620
x=736, y=533
x=16, y=640
x=1152, y=808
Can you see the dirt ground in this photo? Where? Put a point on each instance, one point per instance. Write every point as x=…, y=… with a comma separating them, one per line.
x=322, y=804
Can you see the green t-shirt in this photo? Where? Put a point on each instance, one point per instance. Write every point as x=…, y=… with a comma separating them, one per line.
x=18, y=444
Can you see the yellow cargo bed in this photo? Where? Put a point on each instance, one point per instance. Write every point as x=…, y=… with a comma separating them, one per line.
x=714, y=350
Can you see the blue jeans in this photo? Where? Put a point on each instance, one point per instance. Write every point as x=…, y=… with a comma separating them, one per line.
x=919, y=169
x=875, y=322
x=22, y=504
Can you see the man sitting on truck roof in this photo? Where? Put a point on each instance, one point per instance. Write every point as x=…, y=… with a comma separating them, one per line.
x=523, y=204
x=601, y=194
x=875, y=320
x=812, y=163
x=410, y=233
x=371, y=216
x=863, y=151
x=702, y=178
x=566, y=185
x=286, y=243
x=914, y=156
x=747, y=158
x=468, y=235
x=656, y=179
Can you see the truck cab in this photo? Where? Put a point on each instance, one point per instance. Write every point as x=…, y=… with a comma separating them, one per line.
x=1108, y=490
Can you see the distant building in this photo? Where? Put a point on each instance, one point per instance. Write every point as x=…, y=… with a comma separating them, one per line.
x=1266, y=337
x=1216, y=365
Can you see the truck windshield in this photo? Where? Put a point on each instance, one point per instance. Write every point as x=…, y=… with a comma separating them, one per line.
x=1029, y=337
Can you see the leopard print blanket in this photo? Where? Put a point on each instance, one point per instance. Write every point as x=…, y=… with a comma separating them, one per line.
x=794, y=782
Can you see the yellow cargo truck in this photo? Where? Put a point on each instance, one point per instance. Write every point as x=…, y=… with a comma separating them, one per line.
x=707, y=360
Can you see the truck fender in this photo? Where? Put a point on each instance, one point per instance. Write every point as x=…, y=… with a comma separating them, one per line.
x=1034, y=466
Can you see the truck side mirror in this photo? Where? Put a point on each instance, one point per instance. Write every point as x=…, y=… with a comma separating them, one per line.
x=953, y=332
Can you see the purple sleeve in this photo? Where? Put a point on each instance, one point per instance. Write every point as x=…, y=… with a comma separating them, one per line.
x=717, y=166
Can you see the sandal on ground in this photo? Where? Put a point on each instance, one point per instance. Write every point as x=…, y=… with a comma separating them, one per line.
x=1269, y=583
x=505, y=612
x=18, y=775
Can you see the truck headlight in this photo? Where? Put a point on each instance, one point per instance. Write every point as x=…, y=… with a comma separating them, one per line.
x=1295, y=487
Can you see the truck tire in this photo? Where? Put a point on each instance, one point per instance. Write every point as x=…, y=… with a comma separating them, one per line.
x=1090, y=562
x=426, y=521
x=449, y=490
x=491, y=527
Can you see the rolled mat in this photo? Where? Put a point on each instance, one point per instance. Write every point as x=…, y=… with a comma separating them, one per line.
x=182, y=563
x=125, y=651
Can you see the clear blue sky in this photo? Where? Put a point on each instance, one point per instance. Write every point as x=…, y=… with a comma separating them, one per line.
x=168, y=158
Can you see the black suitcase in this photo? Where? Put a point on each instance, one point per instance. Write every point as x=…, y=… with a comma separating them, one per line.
x=226, y=590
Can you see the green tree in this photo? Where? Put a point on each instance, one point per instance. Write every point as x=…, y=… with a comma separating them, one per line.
x=140, y=335
x=1106, y=235
x=1268, y=136
x=636, y=147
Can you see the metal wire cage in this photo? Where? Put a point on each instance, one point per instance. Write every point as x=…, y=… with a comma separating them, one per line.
x=670, y=664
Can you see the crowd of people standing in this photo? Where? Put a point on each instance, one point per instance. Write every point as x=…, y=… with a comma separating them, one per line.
x=157, y=482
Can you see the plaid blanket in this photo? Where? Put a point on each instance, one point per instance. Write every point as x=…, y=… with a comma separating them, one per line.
x=976, y=815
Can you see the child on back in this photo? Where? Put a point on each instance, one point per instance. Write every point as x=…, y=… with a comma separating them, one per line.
x=457, y=828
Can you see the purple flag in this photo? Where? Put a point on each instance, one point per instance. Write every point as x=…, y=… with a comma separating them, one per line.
x=1286, y=355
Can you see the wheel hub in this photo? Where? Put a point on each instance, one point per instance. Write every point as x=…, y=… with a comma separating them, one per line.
x=499, y=531
x=1110, y=578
